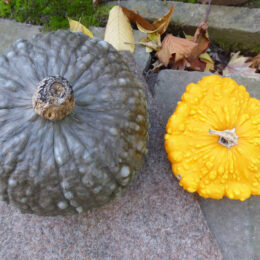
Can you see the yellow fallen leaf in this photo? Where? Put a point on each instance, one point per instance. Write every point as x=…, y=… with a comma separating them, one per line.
x=78, y=27
x=151, y=45
x=152, y=42
x=188, y=37
x=209, y=62
x=118, y=31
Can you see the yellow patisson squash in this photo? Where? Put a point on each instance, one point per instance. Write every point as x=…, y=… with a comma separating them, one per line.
x=213, y=140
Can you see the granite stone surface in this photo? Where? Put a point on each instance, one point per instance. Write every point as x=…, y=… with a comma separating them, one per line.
x=235, y=224
x=154, y=219
x=10, y=31
x=235, y=27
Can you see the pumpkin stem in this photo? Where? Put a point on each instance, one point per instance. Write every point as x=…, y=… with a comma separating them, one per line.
x=53, y=98
x=227, y=138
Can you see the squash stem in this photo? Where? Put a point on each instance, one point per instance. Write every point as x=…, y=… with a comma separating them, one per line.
x=227, y=138
x=53, y=98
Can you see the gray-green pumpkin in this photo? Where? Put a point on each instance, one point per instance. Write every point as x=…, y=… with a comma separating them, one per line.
x=62, y=153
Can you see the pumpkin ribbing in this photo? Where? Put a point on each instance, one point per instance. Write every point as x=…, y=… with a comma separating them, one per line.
x=213, y=138
x=87, y=158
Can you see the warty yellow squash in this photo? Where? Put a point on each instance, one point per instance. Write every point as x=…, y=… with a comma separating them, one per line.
x=213, y=140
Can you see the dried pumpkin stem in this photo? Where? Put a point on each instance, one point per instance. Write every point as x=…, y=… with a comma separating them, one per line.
x=227, y=138
x=53, y=98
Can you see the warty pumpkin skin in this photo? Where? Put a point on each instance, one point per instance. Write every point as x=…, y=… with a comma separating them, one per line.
x=213, y=140
x=67, y=166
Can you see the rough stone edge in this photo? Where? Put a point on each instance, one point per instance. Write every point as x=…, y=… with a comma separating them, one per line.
x=228, y=32
x=150, y=100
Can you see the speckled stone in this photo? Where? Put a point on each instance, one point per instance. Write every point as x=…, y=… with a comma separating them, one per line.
x=235, y=224
x=235, y=27
x=10, y=31
x=155, y=219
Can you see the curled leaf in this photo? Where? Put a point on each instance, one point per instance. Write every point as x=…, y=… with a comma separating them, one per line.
x=152, y=42
x=138, y=19
x=118, y=31
x=156, y=66
x=159, y=26
x=255, y=62
x=204, y=57
x=238, y=65
x=201, y=37
x=163, y=23
x=78, y=27
x=182, y=49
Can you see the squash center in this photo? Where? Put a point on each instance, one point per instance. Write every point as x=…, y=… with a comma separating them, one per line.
x=53, y=98
x=227, y=138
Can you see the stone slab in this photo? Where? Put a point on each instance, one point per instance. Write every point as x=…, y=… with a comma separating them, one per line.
x=235, y=224
x=11, y=30
x=155, y=219
x=230, y=26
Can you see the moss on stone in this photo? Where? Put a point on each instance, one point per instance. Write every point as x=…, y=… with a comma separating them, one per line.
x=52, y=14
x=257, y=49
x=235, y=47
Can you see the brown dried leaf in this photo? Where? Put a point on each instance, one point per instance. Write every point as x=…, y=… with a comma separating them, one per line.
x=255, y=62
x=157, y=65
x=195, y=64
x=182, y=49
x=95, y=2
x=163, y=23
x=238, y=65
x=6, y=1
x=177, y=65
x=201, y=37
x=138, y=19
x=159, y=26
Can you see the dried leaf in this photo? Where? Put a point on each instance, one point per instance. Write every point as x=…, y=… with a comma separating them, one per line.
x=238, y=66
x=95, y=2
x=177, y=65
x=142, y=29
x=204, y=57
x=159, y=26
x=152, y=42
x=188, y=37
x=6, y=1
x=157, y=65
x=163, y=23
x=195, y=64
x=182, y=49
x=78, y=27
x=255, y=62
x=201, y=38
x=118, y=31
x=138, y=19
